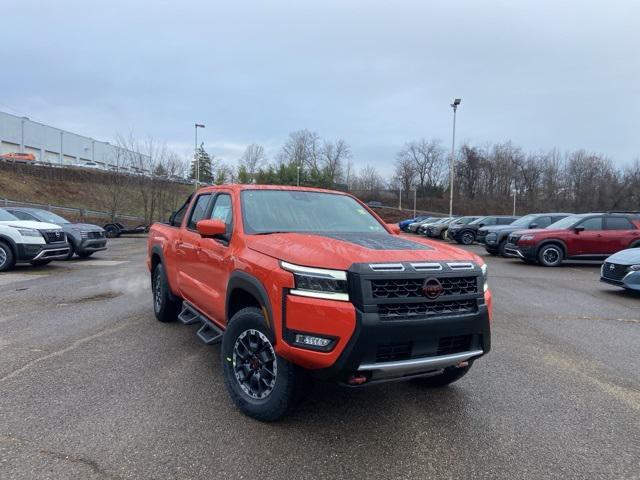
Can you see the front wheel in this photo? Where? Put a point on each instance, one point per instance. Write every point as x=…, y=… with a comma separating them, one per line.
x=550, y=255
x=467, y=238
x=7, y=259
x=262, y=384
x=443, y=235
x=450, y=375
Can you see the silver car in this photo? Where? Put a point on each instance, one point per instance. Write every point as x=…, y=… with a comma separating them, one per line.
x=622, y=269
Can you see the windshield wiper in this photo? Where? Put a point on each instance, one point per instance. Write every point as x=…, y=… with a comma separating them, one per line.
x=271, y=233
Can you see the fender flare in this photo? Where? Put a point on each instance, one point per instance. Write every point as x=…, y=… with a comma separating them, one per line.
x=557, y=242
x=157, y=250
x=12, y=244
x=250, y=284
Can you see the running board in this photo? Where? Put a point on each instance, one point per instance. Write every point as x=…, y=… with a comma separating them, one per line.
x=189, y=315
x=209, y=332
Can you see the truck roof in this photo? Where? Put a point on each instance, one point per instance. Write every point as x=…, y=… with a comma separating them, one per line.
x=240, y=187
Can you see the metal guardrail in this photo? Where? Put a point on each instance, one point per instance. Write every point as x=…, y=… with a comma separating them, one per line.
x=82, y=212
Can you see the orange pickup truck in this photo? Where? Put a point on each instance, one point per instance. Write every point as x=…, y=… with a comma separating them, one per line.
x=302, y=283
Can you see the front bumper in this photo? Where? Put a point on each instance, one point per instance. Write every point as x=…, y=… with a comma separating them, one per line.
x=368, y=343
x=522, y=252
x=630, y=281
x=91, y=245
x=50, y=251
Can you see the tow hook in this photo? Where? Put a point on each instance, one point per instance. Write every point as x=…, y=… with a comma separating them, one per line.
x=357, y=379
x=462, y=365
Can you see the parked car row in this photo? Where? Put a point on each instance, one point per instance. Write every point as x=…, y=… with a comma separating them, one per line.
x=36, y=236
x=548, y=239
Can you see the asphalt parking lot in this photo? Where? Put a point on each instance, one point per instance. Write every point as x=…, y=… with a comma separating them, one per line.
x=91, y=386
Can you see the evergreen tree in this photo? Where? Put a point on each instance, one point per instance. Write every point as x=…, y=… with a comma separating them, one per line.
x=204, y=159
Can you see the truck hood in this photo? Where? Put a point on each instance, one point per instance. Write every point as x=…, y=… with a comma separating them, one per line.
x=630, y=256
x=30, y=224
x=340, y=250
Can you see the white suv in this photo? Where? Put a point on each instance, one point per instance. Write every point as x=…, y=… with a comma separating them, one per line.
x=29, y=242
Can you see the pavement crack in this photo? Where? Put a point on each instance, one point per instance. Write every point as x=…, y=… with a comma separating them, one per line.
x=77, y=343
x=92, y=464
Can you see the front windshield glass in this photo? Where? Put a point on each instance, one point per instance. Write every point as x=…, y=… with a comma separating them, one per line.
x=6, y=216
x=566, y=222
x=479, y=220
x=267, y=211
x=49, y=217
x=524, y=221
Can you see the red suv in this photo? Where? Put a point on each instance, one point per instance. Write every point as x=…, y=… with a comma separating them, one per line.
x=588, y=236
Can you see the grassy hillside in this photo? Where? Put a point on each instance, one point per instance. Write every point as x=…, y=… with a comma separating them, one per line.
x=88, y=189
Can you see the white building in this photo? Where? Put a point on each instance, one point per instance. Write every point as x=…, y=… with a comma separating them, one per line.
x=52, y=145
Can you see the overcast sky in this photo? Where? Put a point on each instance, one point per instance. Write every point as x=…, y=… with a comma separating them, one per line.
x=543, y=73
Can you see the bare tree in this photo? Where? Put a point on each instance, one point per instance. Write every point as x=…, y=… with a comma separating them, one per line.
x=334, y=155
x=428, y=158
x=369, y=179
x=253, y=159
x=405, y=173
x=302, y=151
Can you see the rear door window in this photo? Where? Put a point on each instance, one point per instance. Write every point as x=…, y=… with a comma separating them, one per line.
x=222, y=209
x=543, y=222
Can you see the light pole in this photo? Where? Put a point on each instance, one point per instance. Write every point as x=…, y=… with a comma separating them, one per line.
x=515, y=192
x=415, y=195
x=195, y=153
x=400, y=198
x=454, y=105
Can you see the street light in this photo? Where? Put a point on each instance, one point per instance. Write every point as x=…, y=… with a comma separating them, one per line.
x=454, y=105
x=195, y=153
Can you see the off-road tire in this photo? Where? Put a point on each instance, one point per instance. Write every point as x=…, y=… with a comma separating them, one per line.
x=7, y=259
x=290, y=382
x=450, y=375
x=550, y=255
x=165, y=306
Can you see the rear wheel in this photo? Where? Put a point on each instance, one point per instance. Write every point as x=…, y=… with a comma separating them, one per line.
x=165, y=305
x=262, y=384
x=450, y=375
x=7, y=259
x=111, y=231
x=550, y=255
x=467, y=238
x=501, y=246
x=443, y=235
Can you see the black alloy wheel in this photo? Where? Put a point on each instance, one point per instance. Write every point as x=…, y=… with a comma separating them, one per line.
x=254, y=364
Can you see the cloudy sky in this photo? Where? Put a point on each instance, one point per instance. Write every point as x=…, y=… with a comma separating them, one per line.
x=543, y=73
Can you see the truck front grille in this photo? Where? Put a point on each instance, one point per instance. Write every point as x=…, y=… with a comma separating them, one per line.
x=451, y=345
x=412, y=288
x=614, y=271
x=402, y=311
x=391, y=352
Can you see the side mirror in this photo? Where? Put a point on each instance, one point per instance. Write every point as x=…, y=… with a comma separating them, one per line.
x=395, y=229
x=481, y=225
x=211, y=228
x=533, y=225
x=578, y=229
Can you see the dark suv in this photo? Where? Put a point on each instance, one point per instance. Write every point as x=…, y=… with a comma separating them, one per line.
x=84, y=239
x=466, y=234
x=495, y=237
x=589, y=236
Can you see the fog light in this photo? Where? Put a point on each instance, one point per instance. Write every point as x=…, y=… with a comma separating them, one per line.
x=312, y=341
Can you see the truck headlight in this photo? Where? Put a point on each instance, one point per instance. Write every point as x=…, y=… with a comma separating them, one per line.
x=484, y=276
x=318, y=282
x=29, y=232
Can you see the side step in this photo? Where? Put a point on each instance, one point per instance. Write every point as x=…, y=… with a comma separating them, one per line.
x=189, y=315
x=209, y=333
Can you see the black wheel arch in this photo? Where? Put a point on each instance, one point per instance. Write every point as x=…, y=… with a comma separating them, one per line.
x=251, y=291
x=553, y=241
x=12, y=244
x=157, y=258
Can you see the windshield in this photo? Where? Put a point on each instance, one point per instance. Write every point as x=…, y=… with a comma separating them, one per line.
x=267, y=211
x=49, y=217
x=524, y=221
x=6, y=216
x=566, y=222
x=479, y=220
